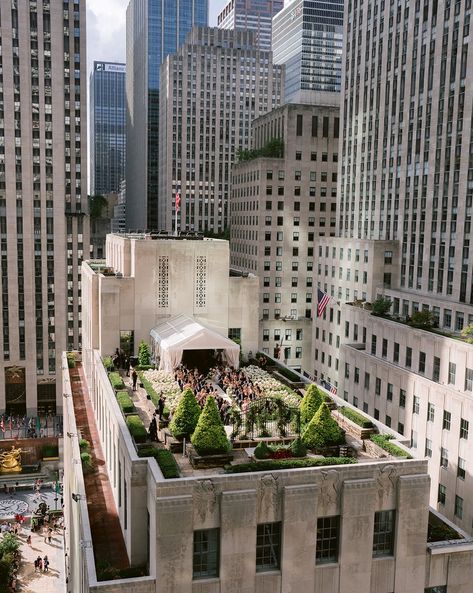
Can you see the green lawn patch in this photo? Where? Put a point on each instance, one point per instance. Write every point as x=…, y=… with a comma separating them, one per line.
x=269, y=465
x=149, y=388
x=116, y=381
x=383, y=441
x=137, y=428
x=165, y=459
x=355, y=417
x=125, y=402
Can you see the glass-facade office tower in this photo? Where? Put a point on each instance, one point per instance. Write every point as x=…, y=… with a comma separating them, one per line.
x=107, y=127
x=252, y=15
x=308, y=39
x=154, y=29
x=43, y=197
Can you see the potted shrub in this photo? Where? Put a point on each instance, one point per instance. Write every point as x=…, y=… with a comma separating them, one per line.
x=144, y=354
x=310, y=404
x=322, y=430
x=185, y=418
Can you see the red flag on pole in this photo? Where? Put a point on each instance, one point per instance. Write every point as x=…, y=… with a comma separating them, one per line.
x=178, y=200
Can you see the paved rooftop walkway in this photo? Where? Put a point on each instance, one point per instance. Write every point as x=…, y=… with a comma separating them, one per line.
x=107, y=537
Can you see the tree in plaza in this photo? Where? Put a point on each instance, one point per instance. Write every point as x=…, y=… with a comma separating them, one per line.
x=144, y=354
x=185, y=417
x=322, y=430
x=210, y=437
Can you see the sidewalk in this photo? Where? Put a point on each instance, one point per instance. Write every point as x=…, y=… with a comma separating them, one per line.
x=52, y=581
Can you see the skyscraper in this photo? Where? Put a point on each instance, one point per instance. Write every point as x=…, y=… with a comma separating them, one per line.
x=107, y=127
x=43, y=197
x=212, y=90
x=154, y=29
x=308, y=39
x=253, y=15
x=404, y=231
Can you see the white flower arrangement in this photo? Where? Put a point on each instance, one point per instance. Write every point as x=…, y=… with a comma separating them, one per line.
x=165, y=383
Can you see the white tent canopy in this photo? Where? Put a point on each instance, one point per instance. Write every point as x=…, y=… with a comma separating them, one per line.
x=180, y=333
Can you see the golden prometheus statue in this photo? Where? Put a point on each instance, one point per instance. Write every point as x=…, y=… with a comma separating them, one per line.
x=10, y=461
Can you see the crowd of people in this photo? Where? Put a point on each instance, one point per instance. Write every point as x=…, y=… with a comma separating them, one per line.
x=243, y=389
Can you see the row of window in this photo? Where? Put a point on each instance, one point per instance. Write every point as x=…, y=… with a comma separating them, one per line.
x=206, y=556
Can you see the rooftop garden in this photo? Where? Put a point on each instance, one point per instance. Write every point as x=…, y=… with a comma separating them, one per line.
x=274, y=148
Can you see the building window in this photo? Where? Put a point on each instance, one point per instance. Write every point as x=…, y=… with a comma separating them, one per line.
x=458, y=507
x=438, y=589
x=422, y=362
x=367, y=380
x=436, y=371
x=378, y=386
x=299, y=125
x=234, y=333
x=442, y=495
x=268, y=546
x=396, y=352
x=384, y=349
x=383, y=540
x=415, y=404
x=461, y=469
x=430, y=413
x=328, y=531
x=373, y=345
x=468, y=379
x=408, y=357
x=206, y=553
x=452, y=371
x=464, y=425
x=402, y=398
x=389, y=392
x=447, y=419
x=444, y=457
x=428, y=448
x=400, y=428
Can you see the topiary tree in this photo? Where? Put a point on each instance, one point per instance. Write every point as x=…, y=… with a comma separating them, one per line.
x=185, y=417
x=262, y=451
x=210, y=437
x=467, y=333
x=310, y=404
x=298, y=449
x=322, y=430
x=144, y=354
x=422, y=319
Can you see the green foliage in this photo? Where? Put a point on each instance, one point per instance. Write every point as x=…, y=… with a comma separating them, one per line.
x=50, y=450
x=298, y=449
x=356, y=417
x=467, y=333
x=166, y=412
x=322, y=430
x=9, y=544
x=144, y=354
x=185, y=417
x=310, y=404
x=87, y=462
x=288, y=374
x=71, y=360
x=165, y=459
x=116, y=381
x=210, y=437
x=273, y=464
x=5, y=572
x=262, y=451
x=381, y=306
x=382, y=440
x=274, y=148
x=149, y=388
x=422, y=320
x=84, y=445
x=108, y=363
x=137, y=428
x=125, y=402
x=96, y=205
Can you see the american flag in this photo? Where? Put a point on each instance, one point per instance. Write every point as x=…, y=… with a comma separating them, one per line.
x=332, y=388
x=178, y=200
x=322, y=301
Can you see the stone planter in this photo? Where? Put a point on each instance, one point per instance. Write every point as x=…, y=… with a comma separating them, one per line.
x=174, y=445
x=207, y=461
x=352, y=428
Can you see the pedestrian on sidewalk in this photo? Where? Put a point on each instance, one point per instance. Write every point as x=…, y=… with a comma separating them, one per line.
x=134, y=378
x=161, y=406
x=50, y=533
x=37, y=564
x=28, y=540
x=46, y=564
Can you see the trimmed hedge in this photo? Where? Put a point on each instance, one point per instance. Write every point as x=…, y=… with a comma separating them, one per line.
x=185, y=417
x=209, y=437
x=137, y=428
x=125, y=402
x=50, y=451
x=167, y=463
x=116, y=381
x=322, y=430
x=149, y=388
x=382, y=440
x=310, y=404
x=272, y=464
x=356, y=417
